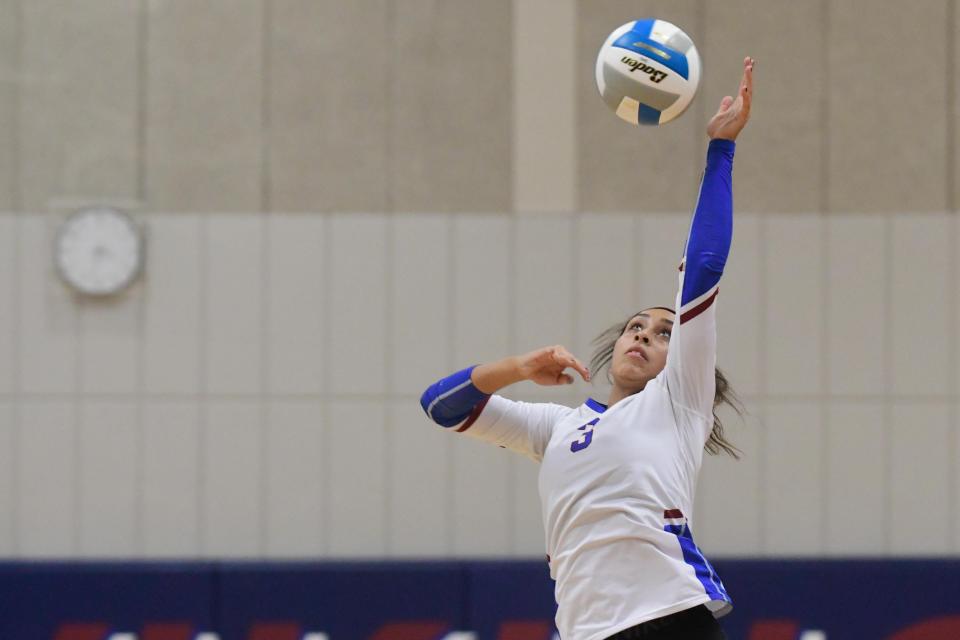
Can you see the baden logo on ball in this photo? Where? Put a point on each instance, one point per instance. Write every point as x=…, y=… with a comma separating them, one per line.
x=668, y=66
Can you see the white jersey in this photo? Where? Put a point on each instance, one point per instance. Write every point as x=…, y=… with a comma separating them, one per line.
x=617, y=488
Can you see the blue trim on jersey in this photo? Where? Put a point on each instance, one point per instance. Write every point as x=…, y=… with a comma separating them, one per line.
x=694, y=557
x=647, y=114
x=449, y=401
x=711, y=230
x=639, y=35
x=599, y=407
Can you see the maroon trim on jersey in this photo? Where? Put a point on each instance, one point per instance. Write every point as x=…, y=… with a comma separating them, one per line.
x=474, y=415
x=673, y=513
x=700, y=308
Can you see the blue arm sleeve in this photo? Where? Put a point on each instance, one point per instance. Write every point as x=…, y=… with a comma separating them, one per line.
x=712, y=228
x=450, y=401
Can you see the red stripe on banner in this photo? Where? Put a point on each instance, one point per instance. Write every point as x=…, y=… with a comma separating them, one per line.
x=477, y=410
x=937, y=629
x=167, y=631
x=275, y=631
x=411, y=631
x=700, y=308
x=82, y=631
x=673, y=513
x=525, y=631
x=774, y=630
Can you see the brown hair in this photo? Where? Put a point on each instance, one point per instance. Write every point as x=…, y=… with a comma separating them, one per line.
x=724, y=394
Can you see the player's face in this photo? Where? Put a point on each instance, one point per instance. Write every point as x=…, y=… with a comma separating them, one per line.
x=640, y=352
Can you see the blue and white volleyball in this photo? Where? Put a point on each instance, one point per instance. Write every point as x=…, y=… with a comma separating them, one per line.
x=648, y=71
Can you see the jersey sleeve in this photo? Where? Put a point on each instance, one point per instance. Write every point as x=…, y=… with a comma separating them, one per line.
x=692, y=355
x=522, y=427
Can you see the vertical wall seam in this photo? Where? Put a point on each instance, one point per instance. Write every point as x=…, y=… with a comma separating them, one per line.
x=825, y=201
x=575, y=289
x=143, y=88
x=266, y=30
x=17, y=292
x=389, y=150
x=389, y=463
x=700, y=108
x=326, y=369
x=262, y=381
x=575, y=106
x=953, y=376
x=953, y=484
x=886, y=378
x=143, y=34
x=79, y=405
x=266, y=133
x=762, y=435
x=951, y=87
x=449, y=472
x=139, y=527
x=826, y=381
x=389, y=284
x=825, y=289
x=511, y=292
x=17, y=354
x=202, y=396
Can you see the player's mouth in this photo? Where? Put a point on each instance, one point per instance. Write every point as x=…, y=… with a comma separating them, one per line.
x=638, y=353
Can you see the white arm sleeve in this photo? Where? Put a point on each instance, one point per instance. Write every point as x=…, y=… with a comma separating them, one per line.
x=692, y=356
x=523, y=427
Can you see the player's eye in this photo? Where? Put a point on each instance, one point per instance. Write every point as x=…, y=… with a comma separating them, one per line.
x=665, y=333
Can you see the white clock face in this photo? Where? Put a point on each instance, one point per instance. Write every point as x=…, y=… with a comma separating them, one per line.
x=99, y=251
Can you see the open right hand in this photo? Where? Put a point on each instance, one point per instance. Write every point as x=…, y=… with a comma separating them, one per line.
x=733, y=113
x=546, y=366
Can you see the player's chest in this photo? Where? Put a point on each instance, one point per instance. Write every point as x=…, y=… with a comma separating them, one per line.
x=629, y=433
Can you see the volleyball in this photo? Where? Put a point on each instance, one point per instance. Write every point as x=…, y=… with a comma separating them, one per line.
x=648, y=71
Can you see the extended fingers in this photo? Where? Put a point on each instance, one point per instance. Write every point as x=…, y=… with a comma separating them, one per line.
x=567, y=359
x=746, y=85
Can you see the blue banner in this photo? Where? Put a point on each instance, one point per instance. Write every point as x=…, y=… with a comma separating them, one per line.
x=506, y=600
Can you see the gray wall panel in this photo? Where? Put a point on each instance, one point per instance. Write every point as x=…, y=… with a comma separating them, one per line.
x=78, y=101
x=780, y=153
x=624, y=168
x=109, y=341
x=48, y=336
x=880, y=158
x=8, y=480
x=204, y=112
x=726, y=484
x=545, y=106
x=450, y=127
x=294, y=476
x=47, y=451
x=169, y=502
x=855, y=474
x=921, y=433
x=10, y=34
x=232, y=479
x=108, y=443
x=9, y=275
x=328, y=105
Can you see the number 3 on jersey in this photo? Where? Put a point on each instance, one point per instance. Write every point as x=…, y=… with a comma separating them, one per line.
x=584, y=442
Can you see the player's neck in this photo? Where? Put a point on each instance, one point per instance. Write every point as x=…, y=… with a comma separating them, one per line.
x=618, y=393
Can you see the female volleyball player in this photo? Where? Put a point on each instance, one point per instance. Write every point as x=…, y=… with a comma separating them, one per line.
x=617, y=480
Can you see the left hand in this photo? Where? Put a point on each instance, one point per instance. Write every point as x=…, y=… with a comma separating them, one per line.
x=733, y=114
